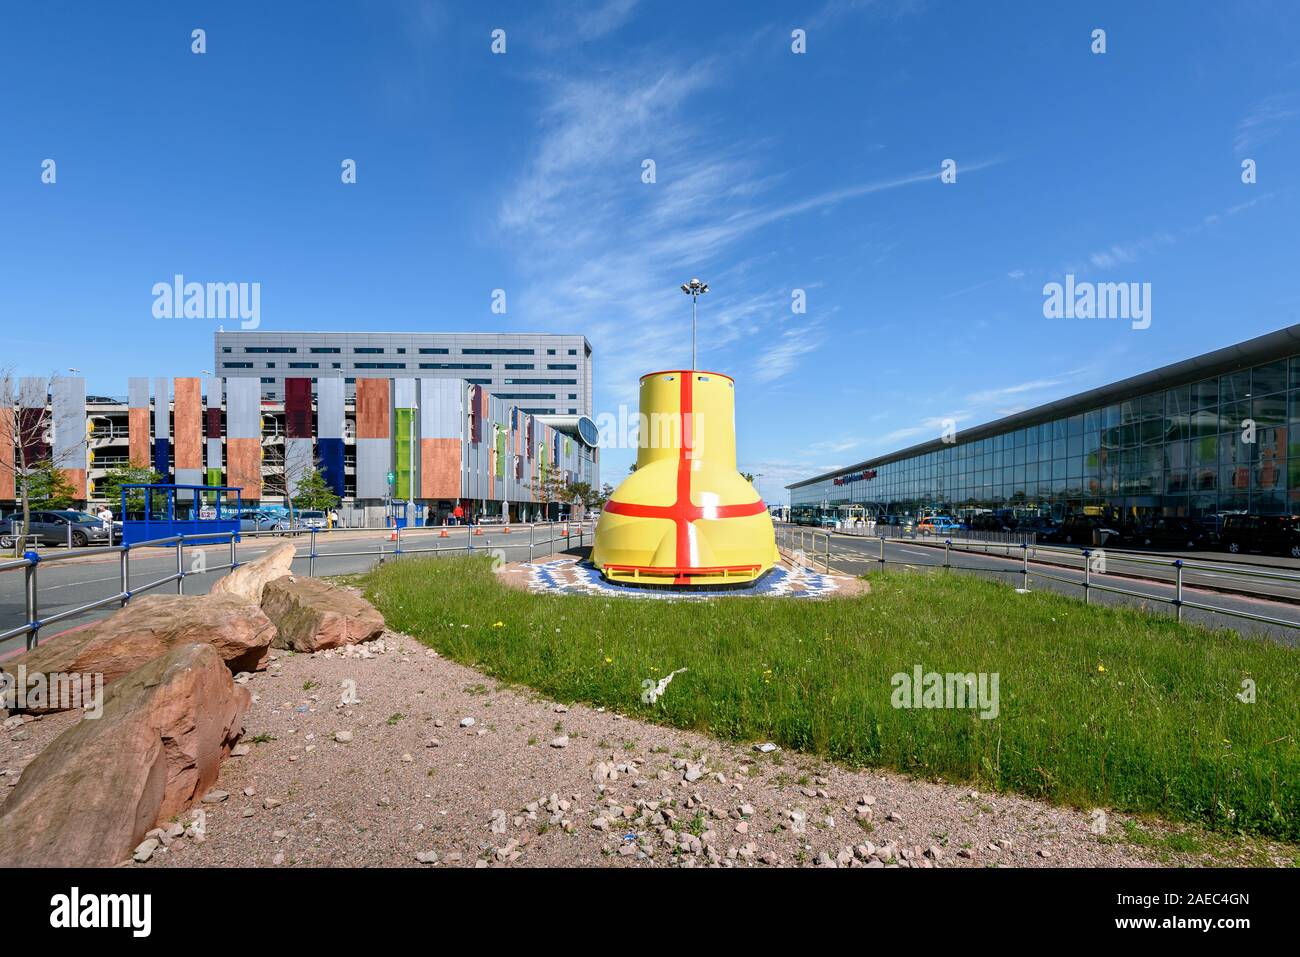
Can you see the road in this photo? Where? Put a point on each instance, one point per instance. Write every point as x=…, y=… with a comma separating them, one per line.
x=856, y=555
x=89, y=574
x=93, y=575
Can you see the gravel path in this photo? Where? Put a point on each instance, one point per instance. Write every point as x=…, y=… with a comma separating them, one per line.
x=410, y=781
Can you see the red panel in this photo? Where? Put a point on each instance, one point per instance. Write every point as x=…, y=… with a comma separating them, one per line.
x=6, y=454
x=297, y=408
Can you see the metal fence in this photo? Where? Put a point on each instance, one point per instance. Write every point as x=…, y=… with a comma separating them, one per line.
x=393, y=543
x=1090, y=562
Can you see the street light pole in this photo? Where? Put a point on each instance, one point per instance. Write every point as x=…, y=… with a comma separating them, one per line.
x=694, y=289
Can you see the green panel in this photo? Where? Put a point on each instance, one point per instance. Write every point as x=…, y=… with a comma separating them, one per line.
x=501, y=453
x=214, y=478
x=405, y=420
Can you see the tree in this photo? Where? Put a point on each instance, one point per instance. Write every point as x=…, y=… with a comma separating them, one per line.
x=314, y=493
x=283, y=474
x=128, y=474
x=48, y=487
x=748, y=477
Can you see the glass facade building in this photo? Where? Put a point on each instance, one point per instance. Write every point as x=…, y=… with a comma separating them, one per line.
x=1212, y=435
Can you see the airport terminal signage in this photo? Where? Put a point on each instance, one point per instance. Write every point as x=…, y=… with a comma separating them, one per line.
x=856, y=477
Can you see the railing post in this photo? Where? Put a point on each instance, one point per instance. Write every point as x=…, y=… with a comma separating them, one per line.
x=1024, y=554
x=69, y=536
x=1178, y=589
x=124, y=564
x=180, y=564
x=33, y=608
x=311, y=556
x=882, y=552
x=947, y=552
x=1087, y=575
x=397, y=541
x=531, y=528
x=234, y=554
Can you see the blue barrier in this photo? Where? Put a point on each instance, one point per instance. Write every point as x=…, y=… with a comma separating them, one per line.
x=202, y=510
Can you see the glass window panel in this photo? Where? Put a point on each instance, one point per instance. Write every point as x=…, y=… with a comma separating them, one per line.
x=1074, y=425
x=1178, y=401
x=1267, y=379
x=1234, y=387
x=1205, y=394
x=1153, y=405
x=1092, y=421
x=1269, y=411
x=1231, y=416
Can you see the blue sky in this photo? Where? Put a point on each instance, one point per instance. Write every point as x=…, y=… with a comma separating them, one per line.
x=775, y=171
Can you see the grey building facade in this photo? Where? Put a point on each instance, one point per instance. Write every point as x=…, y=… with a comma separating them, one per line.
x=541, y=374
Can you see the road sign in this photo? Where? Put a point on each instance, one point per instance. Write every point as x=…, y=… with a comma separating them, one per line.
x=392, y=477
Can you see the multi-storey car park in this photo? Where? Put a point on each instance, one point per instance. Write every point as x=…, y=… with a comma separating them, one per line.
x=541, y=374
x=443, y=440
x=1213, y=435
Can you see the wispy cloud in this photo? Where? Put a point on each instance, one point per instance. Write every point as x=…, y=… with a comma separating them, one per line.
x=601, y=250
x=1264, y=121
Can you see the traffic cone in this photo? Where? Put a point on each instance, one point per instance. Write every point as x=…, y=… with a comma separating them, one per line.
x=443, y=533
x=478, y=531
x=393, y=536
x=506, y=530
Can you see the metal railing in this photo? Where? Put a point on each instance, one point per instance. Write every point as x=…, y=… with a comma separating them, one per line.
x=478, y=539
x=1092, y=563
x=806, y=539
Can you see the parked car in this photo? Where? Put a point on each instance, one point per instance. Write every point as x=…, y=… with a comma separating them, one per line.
x=1270, y=534
x=938, y=525
x=1081, y=530
x=303, y=521
x=1169, y=532
x=58, y=527
x=255, y=520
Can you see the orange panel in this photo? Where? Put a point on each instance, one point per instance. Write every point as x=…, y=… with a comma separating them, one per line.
x=6, y=454
x=77, y=479
x=187, y=425
x=138, y=432
x=372, y=408
x=439, y=468
x=244, y=466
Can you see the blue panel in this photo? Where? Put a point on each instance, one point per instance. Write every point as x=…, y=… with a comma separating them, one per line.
x=162, y=457
x=331, y=457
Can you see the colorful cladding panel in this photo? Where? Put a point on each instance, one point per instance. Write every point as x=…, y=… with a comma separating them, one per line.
x=7, y=453
x=403, y=453
x=138, y=421
x=330, y=452
x=297, y=408
x=372, y=408
x=244, y=466
x=243, y=410
x=440, y=468
x=329, y=428
x=213, y=430
x=68, y=417
x=162, y=443
x=187, y=424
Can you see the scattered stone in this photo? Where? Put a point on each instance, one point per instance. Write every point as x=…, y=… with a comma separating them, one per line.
x=343, y=737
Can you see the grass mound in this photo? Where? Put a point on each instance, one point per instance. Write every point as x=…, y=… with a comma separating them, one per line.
x=1096, y=706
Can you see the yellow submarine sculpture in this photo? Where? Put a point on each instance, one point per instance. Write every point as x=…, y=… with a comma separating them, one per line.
x=685, y=518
